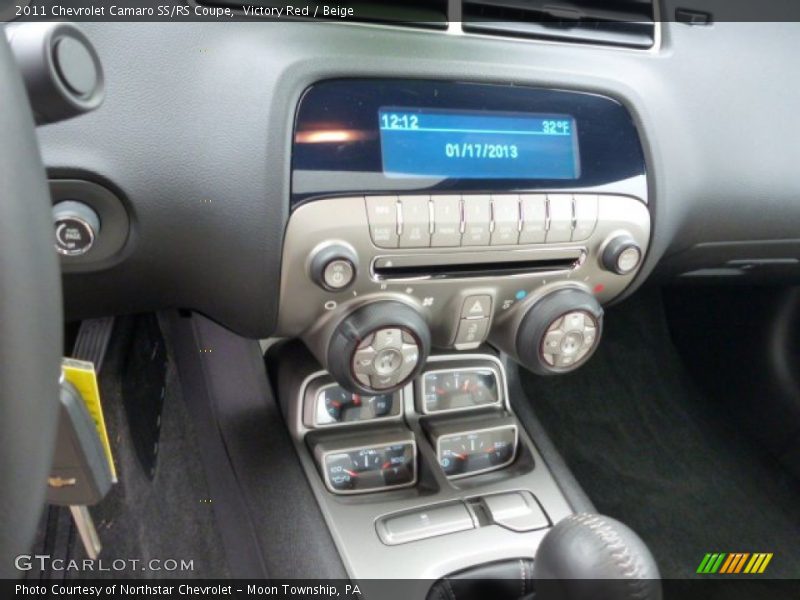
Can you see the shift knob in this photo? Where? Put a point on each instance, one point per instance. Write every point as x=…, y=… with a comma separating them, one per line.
x=593, y=557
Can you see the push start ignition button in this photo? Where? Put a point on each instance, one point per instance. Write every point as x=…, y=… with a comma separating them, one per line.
x=76, y=228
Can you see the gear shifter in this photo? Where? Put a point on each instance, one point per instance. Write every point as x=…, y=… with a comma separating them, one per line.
x=588, y=556
x=584, y=557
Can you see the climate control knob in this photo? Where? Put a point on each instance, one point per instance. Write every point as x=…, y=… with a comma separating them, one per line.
x=622, y=255
x=379, y=347
x=560, y=331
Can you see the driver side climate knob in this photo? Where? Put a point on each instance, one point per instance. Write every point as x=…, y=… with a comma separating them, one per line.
x=379, y=348
x=560, y=331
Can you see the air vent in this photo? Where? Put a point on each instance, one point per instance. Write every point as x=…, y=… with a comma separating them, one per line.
x=613, y=22
x=410, y=13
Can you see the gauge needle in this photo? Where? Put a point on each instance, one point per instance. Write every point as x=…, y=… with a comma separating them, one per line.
x=386, y=465
x=351, y=473
x=461, y=456
x=336, y=404
x=356, y=399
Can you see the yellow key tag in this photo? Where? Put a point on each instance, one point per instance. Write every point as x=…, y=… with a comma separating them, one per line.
x=81, y=374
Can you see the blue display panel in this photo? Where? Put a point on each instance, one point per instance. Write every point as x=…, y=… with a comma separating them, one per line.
x=477, y=145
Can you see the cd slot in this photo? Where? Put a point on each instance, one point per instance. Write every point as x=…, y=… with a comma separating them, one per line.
x=467, y=265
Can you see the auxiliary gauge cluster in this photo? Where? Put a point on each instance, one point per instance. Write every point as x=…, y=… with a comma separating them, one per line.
x=457, y=408
x=440, y=456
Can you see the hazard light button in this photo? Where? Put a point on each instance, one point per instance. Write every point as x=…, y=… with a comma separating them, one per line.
x=476, y=307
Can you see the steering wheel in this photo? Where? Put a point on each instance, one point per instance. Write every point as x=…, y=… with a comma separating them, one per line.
x=31, y=321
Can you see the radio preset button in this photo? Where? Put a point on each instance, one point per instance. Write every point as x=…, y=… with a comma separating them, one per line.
x=505, y=216
x=585, y=216
x=382, y=217
x=415, y=224
x=477, y=220
x=534, y=218
x=446, y=221
x=560, y=229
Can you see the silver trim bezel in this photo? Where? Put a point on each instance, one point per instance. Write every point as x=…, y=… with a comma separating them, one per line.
x=464, y=358
x=307, y=410
x=420, y=390
x=323, y=454
x=478, y=430
x=395, y=415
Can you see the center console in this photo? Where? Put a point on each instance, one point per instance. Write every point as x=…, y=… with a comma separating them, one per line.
x=432, y=225
x=432, y=478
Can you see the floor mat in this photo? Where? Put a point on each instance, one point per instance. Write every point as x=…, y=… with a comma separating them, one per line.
x=652, y=451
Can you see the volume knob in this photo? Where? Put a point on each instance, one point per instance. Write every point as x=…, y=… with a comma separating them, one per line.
x=333, y=266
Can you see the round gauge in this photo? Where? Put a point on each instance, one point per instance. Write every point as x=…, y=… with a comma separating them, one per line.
x=341, y=472
x=453, y=461
x=398, y=465
x=371, y=468
x=367, y=460
x=336, y=405
x=381, y=405
x=472, y=452
x=336, y=400
x=501, y=452
x=458, y=389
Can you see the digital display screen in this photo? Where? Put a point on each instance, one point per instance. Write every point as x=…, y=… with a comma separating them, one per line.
x=417, y=142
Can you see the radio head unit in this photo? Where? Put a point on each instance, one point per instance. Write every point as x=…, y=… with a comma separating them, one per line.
x=438, y=215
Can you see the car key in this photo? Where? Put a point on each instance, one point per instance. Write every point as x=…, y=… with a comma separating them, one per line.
x=81, y=474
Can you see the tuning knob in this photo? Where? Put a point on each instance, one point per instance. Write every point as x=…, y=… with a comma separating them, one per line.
x=560, y=331
x=379, y=348
x=622, y=255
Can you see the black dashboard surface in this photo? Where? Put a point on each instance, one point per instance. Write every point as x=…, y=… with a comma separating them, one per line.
x=195, y=136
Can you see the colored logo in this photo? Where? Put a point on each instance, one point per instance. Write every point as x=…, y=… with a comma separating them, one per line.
x=734, y=563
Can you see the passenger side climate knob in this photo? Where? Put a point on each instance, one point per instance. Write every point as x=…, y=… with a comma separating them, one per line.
x=379, y=348
x=560, y=331
x=622, y=255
